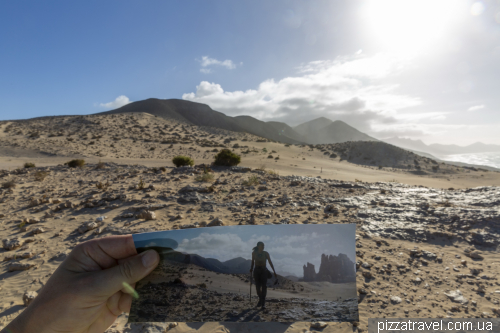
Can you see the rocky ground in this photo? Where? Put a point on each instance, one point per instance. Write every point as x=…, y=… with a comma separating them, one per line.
x=421, y=251
x=177, y=301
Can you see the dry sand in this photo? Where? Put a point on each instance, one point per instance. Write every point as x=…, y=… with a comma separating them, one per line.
x=135, y=160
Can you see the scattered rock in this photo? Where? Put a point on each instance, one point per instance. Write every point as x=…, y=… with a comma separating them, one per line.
x=456, y=296
x=11, y=244
x=29, y=297
x=395, y=300
x=87, y=226
x=17, y=266
x=146, y=215
x=216, y=222
x=319, y=325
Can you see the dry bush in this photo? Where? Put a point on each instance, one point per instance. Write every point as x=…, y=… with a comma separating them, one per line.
x=103, y=186
x=206, y=177
x=252, y=180
x=29, y=165
x=100, y=165
x=40, y=175
x=273, y=172
x=78, y=163
x=9, y=184
x=141, y=184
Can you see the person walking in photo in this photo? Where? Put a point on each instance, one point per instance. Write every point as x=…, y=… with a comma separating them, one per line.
x=261, y=273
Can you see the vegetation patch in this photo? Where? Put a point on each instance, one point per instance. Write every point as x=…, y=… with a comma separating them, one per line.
x=182, y=161
x=41, y=175
x=78, y=163
x=252, y=180
x=9, y=184
x=29, y=165
x=227, y=158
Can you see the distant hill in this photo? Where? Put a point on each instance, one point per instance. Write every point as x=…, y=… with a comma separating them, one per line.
x=439, y=149
x=323, y=130
x=202, y=115
x=233, y=266
x=320, y=130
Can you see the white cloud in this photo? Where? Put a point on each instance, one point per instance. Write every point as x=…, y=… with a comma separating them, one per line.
x=118, y=102
x=210, y=62
x=476, y=107
x=347, y=88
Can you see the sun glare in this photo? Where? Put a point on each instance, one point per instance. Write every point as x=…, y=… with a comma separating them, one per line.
x=409, y=26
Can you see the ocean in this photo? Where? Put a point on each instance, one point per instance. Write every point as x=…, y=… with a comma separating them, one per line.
x=489, y=159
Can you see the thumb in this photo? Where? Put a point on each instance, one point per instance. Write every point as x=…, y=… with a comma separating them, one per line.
x=127, y=272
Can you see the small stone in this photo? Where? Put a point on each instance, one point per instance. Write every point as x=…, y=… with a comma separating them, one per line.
x=32, y=220
x=362, y=291
x=216, y=222
x=16, y=266
x=366, y=265
x=11, y=244
x=37, y=231
x=456, y=296
x=28, y=297
x=395, y=299
x=367, y=275
x=319, y=325
x=100, y=219
x=474, y=255
x=146, y=215
x=87, y=226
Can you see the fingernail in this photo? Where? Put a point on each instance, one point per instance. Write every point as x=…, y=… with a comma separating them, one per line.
x=149, y=258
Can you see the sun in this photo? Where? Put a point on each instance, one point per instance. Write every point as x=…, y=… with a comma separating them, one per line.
x=409, y=26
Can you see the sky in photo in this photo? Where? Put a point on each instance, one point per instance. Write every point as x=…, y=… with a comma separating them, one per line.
x=423, y=69
x=289, y=246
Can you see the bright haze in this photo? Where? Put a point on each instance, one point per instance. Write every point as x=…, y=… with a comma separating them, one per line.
x=423, y=69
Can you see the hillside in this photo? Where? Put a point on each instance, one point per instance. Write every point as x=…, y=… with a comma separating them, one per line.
x=441, y=149
x=323, y=130
x=202, y=115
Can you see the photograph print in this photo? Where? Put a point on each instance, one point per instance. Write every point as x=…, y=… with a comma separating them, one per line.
x=283, y=273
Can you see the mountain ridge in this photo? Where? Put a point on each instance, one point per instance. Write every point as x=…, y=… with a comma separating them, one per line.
x=442, y=149
x=316, y=131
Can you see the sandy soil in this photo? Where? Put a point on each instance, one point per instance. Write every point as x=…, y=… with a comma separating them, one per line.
x=46, y=203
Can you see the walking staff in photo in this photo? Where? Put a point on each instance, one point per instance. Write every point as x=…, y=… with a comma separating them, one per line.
x=261, y=274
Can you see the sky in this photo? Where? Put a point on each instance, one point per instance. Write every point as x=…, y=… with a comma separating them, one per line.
x=420, y=69
x=289, y=246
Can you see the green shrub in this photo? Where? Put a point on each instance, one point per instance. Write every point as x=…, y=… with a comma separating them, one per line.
x=227, y=158
x=78, y=163
x=29, y=165
x=182, y=161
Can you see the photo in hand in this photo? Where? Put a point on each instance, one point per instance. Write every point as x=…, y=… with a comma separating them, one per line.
x=283, y=273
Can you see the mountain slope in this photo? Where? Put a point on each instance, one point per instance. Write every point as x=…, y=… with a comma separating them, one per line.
x=440, y=149
x=323, y=130
x=202, y=115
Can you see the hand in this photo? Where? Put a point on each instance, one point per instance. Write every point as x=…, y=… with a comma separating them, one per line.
x=275, y=276
x=90, y=288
